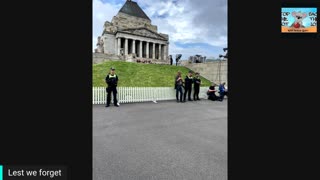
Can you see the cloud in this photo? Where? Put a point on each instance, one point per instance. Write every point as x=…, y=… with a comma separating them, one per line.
x=101, y=12
x=186, y=21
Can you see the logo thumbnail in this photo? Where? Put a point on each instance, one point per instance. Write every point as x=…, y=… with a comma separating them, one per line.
x=298, y=20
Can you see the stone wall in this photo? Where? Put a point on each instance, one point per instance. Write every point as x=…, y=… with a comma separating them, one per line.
x=99, y=58
x=109, y=43
x=209, y=70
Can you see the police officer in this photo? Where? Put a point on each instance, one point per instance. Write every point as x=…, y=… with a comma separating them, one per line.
x=197, y=83
x=112, y=81
x=212, y=92
x=188, y=86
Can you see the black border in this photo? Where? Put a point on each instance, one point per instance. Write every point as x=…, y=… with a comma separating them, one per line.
x=271, y=120
x=46, y=117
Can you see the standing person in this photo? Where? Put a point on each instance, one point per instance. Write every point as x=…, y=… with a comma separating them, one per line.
x=212, y=92
x=222, y=91
x=179, y=84
x=197, y=83
x=112, y=81
x=188, y=86
x=175, y=79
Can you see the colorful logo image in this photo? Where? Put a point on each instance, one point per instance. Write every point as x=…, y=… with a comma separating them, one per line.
x=298, y=20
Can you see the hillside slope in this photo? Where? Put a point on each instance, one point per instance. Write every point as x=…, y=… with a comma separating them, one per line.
x=139, y=75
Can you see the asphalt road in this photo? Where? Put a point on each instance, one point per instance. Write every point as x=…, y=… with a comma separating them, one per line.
x=160, y=141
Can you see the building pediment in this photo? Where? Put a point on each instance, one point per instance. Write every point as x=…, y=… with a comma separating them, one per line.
x=144, y=32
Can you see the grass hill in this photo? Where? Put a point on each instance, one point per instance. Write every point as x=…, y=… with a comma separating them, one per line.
x=139, y=75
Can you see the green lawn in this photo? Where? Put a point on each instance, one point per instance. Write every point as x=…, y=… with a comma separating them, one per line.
x=139, y=75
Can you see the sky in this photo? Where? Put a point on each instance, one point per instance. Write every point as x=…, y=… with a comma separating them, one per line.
x=194, y=27
x=306, y=22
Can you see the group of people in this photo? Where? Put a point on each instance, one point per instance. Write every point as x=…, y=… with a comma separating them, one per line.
x=186, y=85
x=182, y=86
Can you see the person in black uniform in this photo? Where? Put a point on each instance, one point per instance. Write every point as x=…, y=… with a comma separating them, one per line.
x=197, y=83
x=188, y=86
x=212, y=93
x=178, y=86
x=112, y=81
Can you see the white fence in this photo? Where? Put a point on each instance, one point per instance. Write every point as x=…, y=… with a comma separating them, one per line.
x=140, y=94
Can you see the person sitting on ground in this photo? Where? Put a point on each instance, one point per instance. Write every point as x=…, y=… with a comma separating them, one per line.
x=212, y=92
x=222, y=91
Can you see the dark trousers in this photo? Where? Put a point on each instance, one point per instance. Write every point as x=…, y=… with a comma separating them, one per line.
x=222, y=94
x=114, y=91
x=212, y=96
x=187, y=90
x=179, y=89
x=196, y=93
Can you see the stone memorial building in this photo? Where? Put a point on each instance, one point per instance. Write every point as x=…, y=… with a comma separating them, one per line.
x=131, y=37
x=197, y=59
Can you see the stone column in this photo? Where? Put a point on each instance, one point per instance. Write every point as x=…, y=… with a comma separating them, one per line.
x=153, y=50
x=115, y=51
x=126, y=46
x=164, y=52
x=134, y=46
x=167, y=46
x=160, y=51
x=119, y=46
x=147, y=49
x=140, y=49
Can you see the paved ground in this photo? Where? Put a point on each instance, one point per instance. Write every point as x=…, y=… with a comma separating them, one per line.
x=163, y=141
